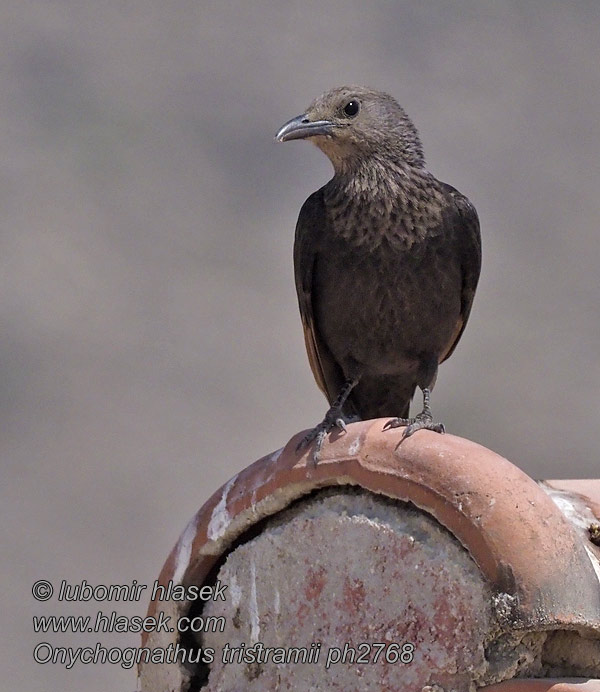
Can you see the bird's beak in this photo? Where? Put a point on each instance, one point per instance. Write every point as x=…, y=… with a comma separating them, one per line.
x=301, y=127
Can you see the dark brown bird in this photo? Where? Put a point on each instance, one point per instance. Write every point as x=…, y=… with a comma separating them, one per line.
x=386, y=259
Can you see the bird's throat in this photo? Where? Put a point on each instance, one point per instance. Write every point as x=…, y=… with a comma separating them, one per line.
x=378, y=204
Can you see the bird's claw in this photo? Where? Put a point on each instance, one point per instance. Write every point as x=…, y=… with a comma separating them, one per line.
x=398, y=423
x=423, y=421
x=318, y=434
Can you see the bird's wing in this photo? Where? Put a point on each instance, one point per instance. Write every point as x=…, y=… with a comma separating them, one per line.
x=309, y=229
x=464, y=224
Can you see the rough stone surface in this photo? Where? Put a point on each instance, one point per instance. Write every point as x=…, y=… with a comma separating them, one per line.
x=572, y=653
x=347, y=567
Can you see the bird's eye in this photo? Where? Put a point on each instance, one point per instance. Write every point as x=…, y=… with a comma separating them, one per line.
x=351, y=108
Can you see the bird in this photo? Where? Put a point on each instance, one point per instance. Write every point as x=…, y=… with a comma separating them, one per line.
x=386, y=263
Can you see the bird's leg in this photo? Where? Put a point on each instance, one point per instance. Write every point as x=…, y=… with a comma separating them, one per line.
x=333, y=418
x=422, y=421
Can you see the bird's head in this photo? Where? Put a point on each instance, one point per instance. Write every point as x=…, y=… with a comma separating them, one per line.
x=351, y=124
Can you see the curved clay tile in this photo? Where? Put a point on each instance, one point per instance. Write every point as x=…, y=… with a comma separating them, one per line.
x=539, y=565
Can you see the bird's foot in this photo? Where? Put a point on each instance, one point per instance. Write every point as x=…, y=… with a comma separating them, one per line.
x=423, y=421
x=333, y=419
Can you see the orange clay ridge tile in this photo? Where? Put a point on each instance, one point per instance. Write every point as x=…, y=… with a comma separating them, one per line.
x=473, y=554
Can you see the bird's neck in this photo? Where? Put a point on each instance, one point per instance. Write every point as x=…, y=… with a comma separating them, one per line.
x=383, y=199
x=374, y=177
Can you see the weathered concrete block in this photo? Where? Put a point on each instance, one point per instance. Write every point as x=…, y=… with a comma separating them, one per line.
x=361, y=575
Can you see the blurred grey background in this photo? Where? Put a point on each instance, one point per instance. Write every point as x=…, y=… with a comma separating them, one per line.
x=150, y=344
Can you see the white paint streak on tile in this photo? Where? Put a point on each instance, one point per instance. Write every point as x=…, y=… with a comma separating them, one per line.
x=594, y=560
x=184, y=550
x=567, y=507
x=276, y=454
x=219, y=519
x=579, y=515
